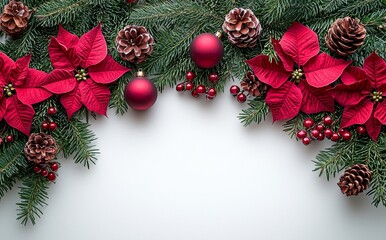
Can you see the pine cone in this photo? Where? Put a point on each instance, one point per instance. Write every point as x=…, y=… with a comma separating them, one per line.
x=242, y=27
x=355, y=180
x=134, y=43
x=346, y=36
x=40, y=148
x=14, y=18
x=252, y=85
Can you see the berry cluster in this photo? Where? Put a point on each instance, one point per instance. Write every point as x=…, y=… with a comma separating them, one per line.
x=324, y=129
x=47, y=170
x=8, y=138
x=200, y=89
x=236, y=92
x=50, y=125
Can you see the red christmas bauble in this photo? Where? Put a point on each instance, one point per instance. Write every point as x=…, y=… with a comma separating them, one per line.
x=206, y=50
x=140, y=93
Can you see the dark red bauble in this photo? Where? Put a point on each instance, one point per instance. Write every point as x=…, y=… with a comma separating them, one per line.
x=327, y=120
x=315, y=133
x=9, y=138
x=234, y=90
x=308, y=122
x=210, y=98
x=241, y=98
x=195, y=94
x=54, y=166
x=341, y=131
x=361, y=130
x=51, y=111
x=190, y=76
x=206, y=50
x=320, y=127
x=346, y=136
x=306, y=141
x=212, y=92
x=140, y=93
x=321, y=137
x=45, y=125
x=1, y=141
x=201, y=89
x=335, y=137
x=328, y=133
x=44, y=173
x=189, y=86
x=213, y=77
x=180, y=87
x=302, y=134
x=53, y=126
x=51, y=177
x=37, y=169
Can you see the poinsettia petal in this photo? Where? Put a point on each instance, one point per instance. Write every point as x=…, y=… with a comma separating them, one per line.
x=348, y=95
x=3, y=101
x=373, y=127
x=66, y=39
x=60, y=81
x=316, y=100
x=71, y=101
x=31, y=91
x=6, y=64
x=19, y=115
x=380, y=112
x=59, y=56
x=288, y=63
x=19, y=71
x=353, y=74
x=323, y=70
x=92, y=47
x=375, y=67
x=107, y=71
x=300, y=43
x=271, y=73
x=357, y=114
x=284, y=102
x=94, y=96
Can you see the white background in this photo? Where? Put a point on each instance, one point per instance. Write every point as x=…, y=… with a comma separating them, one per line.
x=188, y=170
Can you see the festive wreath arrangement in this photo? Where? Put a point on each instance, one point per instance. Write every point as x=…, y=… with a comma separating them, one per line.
x=313, y=64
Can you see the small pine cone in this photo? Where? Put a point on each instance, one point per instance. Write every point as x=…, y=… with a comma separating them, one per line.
x=134, y=43
x=14, y=18
x=355, y=180
x=346, y=36
x=252, y=85
x=242, y=27
x=40, y=148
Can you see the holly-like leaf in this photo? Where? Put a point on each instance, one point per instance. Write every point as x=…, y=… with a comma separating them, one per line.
x=323, y=70
x=71, y=101
x=60, y=81
x=373, y=127
x=59, y=55
x=271, y=73
x=19, y=115
x=288, y=63
x=94, y=96
x=66, y=39
x=107, y=71
x=348, y=95
x=31, y=91
x=300, y=43
x=284, y=102
x=6, y=64
x=375, y=67
x=353, y=74
x=92, y=47
x=316, y=100
x=357, y=114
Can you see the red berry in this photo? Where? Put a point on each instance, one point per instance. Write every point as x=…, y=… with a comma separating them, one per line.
x=361, y=130
x=45, y=125
x=327, y=120
x=180, y=87
x=189, y=86
x=346, y=136
x=321, y=137
x=1, y=141
x=241, y=98
x=44, y=173
x=315, y=133
x=302, y=134
x=51, y=177
x=201, y=89
x=306, y=141
x=213, y=77
x=195, y=94
x=320, y=127
x=190, y=76
x=51, y=111
x=53, y=126
x=341, y=131
x=54, y=166
x=209, y=98
x=335, y=137
x=212, y=92
x=9, y=138
x=328, y=133
x=37, y=169
x=234, y=90
x=308, y=123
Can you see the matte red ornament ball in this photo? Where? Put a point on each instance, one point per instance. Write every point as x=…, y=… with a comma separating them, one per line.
x=306, y=141
x=190, y=76
x=241, y=98
x=140, y=93
x=213, y=77
x=206, y=50
x=189, y=86
x=308, y=122
x=51, y=177
x=234, y=90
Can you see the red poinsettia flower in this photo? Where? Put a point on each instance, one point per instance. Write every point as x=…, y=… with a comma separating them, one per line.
x=300, y=81
x=20, y=87
x=362, y=95
x=82, y=70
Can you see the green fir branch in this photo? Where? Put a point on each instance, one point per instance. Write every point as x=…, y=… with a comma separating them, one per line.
x=257, y=112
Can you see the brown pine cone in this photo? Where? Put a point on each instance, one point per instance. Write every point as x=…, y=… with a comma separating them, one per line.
x=14, y=18
x=40, y=148
x=355, y=180
x=242, y=27
x=346, y=36
x=134, y=43
x=252, y=85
